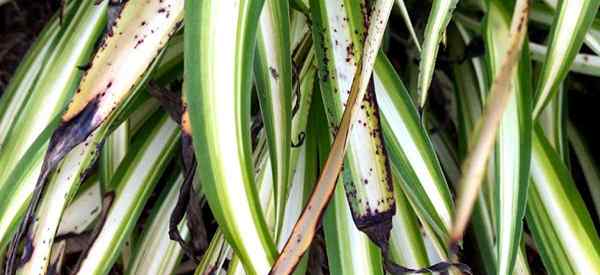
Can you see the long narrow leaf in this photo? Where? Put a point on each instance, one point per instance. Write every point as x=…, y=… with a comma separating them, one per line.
x=156, y=253
x=305, y=228
x=411, y=152
x=559, y=221
x=57, y=82
x=135, y=179
x=499, y=97
x=582, y=63
x=349, y=251
x=15, y=96
x=28, y=168
x=553, y=121
x=113, y=152
x=214, y=256
x=469, y=111
x=367, y=178
x=407, y=246
x=408, y=22
x=82, y=210
x=61, y=189
x=588, y=164
x=513, y=142
x=274, y=84
x=439, y=17
x=218, y=81
x=572, y=21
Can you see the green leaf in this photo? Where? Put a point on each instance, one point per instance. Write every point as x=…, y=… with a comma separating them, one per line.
x=273, y=67
x=303, y=158
x=407, y=247
x=410, y=152
x=572, y=21
x=215, y=256
x=305, y=228
x=582, y=63
x=61, y=188
x=552, y=120
x=155, y=253
x=349, y=251
x=467, y=92
x=588, y=164
x=408, y=22
x=113, y=151
x=28, y=168
x=19, y=89
x=83, y=210
x=56, y=83
x=545, y=11
x=439, y=17
x=218, y=75
x=503, y=108
x=152, y=150
x=556, y=214
x=367, y=179
x=512, y=153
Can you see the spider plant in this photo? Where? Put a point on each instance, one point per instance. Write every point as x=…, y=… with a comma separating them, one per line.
x=305, y=137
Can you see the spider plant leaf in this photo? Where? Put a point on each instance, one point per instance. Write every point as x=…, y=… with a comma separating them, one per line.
x=572, y=21
x=556, y=214
x=407, y=246
x=302, y=172
x=219, y=249
x=553, y=122
x=25, y=174
x=512, y=155
x=215, y=256
x=82, y=210
x=582, y=63
x=406, y=17
x=368, y=182
x=99, y=92
x=139, y=35
x=439, y=17
x=588, y=163
x=136, y=177
x=303, y=154
x=273, y=69
x=61, y=188
x=411, y=152
x=305, y=228
x=299, y=29
x=155, y=253
x=54, y=86
x=113, y=151
x=499, y=99
x=27, y=171
x=349, y=251
x=469, y=104
x=218, y=77
x=63, y=185
x=544, y=12
x=304, y=175
x=16, y=94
